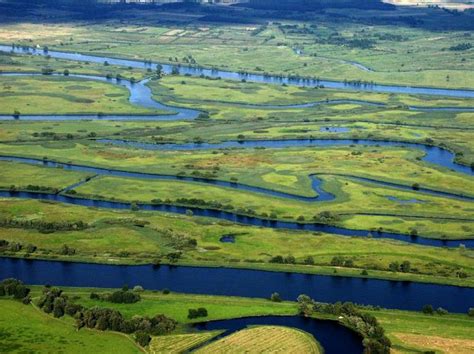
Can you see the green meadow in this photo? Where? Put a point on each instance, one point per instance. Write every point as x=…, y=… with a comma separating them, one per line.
x=138, y=237
x=329, y=48
x=25, y=328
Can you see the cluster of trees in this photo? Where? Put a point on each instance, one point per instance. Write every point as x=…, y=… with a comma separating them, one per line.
x=108, y=319
x=340, y=261
x=375, y=340
x=123, y=296
x=16, y=247
x=54, y=301
x=67, y=251
x=34, y=188
x=429, y=310
x=460, y=47
x=283, y=260
x=43, y=226
x=15, y=288
x=196, y=313
x=309, y=260
x=203, y=203
x=326, y=217
x=404, y=267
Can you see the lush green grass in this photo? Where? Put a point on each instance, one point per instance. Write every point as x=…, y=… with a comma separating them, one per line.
x=24, y=329
x=176, y=306
x=198, y=91
x=22, y=177
x=264, y=339
x=113, y=237
x=10, y=62
x=414, y=332
x=64, y=95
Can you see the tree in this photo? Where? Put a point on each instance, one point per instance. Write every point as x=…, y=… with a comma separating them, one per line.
x=16, y=114
x=275, y=297
x=405, y=267
x=309, y=260
x=66, y=72
x=470, y=312
x=142, y=338
x=428, y=310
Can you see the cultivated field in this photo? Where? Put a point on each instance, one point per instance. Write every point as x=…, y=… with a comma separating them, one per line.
x=265, y=339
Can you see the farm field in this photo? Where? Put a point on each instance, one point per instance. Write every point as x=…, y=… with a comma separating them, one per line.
x=264, y=339
x=256, y=177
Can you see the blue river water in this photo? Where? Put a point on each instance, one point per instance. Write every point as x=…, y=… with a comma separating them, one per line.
x=242, y=282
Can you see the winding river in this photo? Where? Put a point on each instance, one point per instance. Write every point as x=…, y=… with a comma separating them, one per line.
x=141, y=95
x=229, y=75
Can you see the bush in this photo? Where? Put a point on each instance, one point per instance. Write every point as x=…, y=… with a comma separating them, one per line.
x=428, y=310
x=470, y=312
x=441, y=311
x=142, y=338
x=15, y=288
x=123, y=297
x=275, y=297
x=195, y=313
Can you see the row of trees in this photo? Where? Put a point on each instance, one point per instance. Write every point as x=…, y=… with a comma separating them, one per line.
x=123, y=296
x=55, y=302
x=42, y=225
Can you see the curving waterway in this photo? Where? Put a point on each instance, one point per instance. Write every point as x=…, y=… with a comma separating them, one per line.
x=141, y=95
x=230, y=75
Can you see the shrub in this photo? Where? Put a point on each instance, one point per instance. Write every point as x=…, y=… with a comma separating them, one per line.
x=275, y=297
x=195, y=313
x=142, y=338
x=123, y=297
x=428, y=310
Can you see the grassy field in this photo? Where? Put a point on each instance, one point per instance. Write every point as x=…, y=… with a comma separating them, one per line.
x=10, y=62
x=25, y=329
x=118, y=237
x=49, y=178
x=176, y=306
x=64, y=95
x=195, y=90
x=412, y=332
x=264, y=339
x=328, y=48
